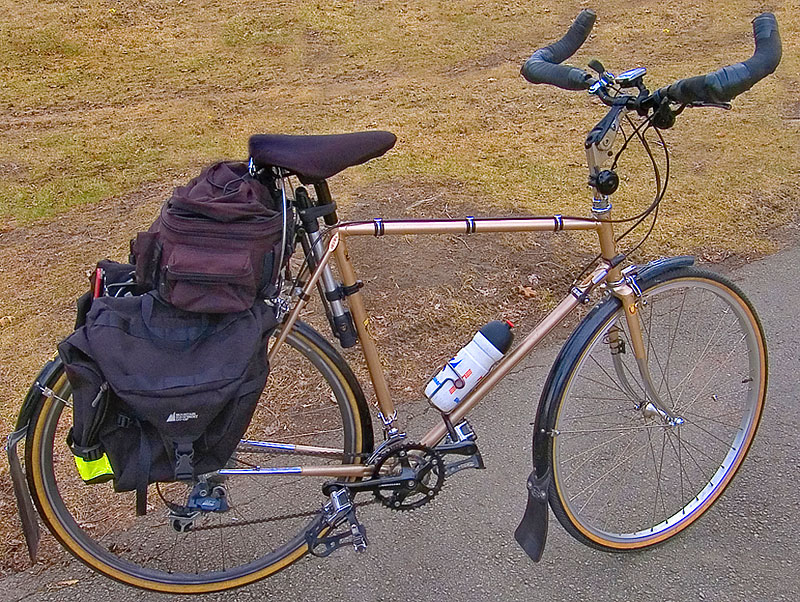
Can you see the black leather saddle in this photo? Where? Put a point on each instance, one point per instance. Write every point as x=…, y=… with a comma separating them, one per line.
x=315, y=158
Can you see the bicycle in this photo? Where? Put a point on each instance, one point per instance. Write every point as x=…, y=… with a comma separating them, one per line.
x=661, y=385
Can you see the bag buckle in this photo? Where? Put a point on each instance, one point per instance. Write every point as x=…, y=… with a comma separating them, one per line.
x=184, y=454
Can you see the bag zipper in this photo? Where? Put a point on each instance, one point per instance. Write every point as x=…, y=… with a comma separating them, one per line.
x=206, y=277
x=210, y=230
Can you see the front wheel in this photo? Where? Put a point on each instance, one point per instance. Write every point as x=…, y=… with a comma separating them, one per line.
x=311, y=398
x=626, y=475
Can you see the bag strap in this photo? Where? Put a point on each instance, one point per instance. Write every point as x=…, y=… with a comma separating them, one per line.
x=184, y=468
x=185, y=334
x=144, y=472
x=90, y=448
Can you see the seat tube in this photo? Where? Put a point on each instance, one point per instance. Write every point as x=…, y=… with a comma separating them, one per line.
x=368, y=346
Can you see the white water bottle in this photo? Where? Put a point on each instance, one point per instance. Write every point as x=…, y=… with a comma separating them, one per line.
x=460, y=375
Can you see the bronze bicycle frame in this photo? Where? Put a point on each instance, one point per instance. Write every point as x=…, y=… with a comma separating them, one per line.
x=337, y=249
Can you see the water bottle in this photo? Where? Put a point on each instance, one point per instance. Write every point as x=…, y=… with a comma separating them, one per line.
x=460, y=375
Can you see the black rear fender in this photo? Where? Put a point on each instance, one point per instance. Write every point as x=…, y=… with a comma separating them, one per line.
x=27, y=513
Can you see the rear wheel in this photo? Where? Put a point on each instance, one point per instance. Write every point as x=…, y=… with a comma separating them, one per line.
x=311, y=398
x=627, y=475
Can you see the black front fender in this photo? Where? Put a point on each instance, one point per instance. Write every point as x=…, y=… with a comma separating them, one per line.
x=531, y=533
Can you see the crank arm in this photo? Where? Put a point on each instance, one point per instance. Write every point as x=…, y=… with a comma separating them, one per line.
x=461, y=448
x=473, y=461
x=374, y=484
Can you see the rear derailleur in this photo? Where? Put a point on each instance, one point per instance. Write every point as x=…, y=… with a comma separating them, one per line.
x=205, y=496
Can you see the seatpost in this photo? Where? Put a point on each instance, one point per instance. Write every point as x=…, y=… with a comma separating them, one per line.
x=333, y=293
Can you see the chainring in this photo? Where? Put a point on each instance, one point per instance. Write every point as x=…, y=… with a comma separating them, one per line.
x=424, y=468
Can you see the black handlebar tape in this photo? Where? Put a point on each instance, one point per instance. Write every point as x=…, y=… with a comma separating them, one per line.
x=726, y=83
x=543, y=67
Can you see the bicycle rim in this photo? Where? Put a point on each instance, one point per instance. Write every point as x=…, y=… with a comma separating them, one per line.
x=623, y=476
x=307, y=401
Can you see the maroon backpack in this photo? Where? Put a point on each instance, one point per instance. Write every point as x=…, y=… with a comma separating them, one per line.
x=218, y=244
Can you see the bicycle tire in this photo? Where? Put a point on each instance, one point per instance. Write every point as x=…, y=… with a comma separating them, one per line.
x=625, y=478
x=103, y=532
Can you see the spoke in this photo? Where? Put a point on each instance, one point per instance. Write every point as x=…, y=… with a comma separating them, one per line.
x=171, y=563
x=688, y=445
x=681, y=469
x=604, y=476
x=615, y=503
x=673, y=339
x=658, y=466
x=634, y=379
x=683, y=449
x=196, y=557
x=611, y=378
x=598, y=398
x=653, y=354
x=713, y=375
x=715, y=420
x=697, y=361
x=311, y=434
x=604, y=384
x=619, y=428
x=685, y=446
x=222, y=545
x=604, y=444
x=710, y=434
x=615, y=412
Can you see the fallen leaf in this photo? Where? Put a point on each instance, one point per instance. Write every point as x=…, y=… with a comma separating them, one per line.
x=526, y=291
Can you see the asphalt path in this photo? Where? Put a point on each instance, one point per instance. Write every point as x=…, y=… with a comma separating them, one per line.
x=461, y=547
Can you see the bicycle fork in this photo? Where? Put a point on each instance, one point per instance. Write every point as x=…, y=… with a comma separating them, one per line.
x=647, y=399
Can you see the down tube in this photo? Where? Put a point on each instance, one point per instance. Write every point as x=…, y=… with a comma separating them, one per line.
x=552, y=320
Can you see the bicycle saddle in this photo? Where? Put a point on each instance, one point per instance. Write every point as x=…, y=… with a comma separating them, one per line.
x=315, y=158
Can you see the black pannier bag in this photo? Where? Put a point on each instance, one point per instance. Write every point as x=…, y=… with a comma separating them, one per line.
x=217, y=245
x=166, y=394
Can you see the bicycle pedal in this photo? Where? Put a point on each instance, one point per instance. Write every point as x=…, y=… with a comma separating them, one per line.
x=334, y=513
x=325, y=546
x=473, y=461
x=359, y=534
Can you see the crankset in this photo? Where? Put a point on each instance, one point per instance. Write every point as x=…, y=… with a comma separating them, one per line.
x=417, y=473
x=406, y=476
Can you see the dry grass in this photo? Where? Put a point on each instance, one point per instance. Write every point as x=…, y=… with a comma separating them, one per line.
x=105, y=105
